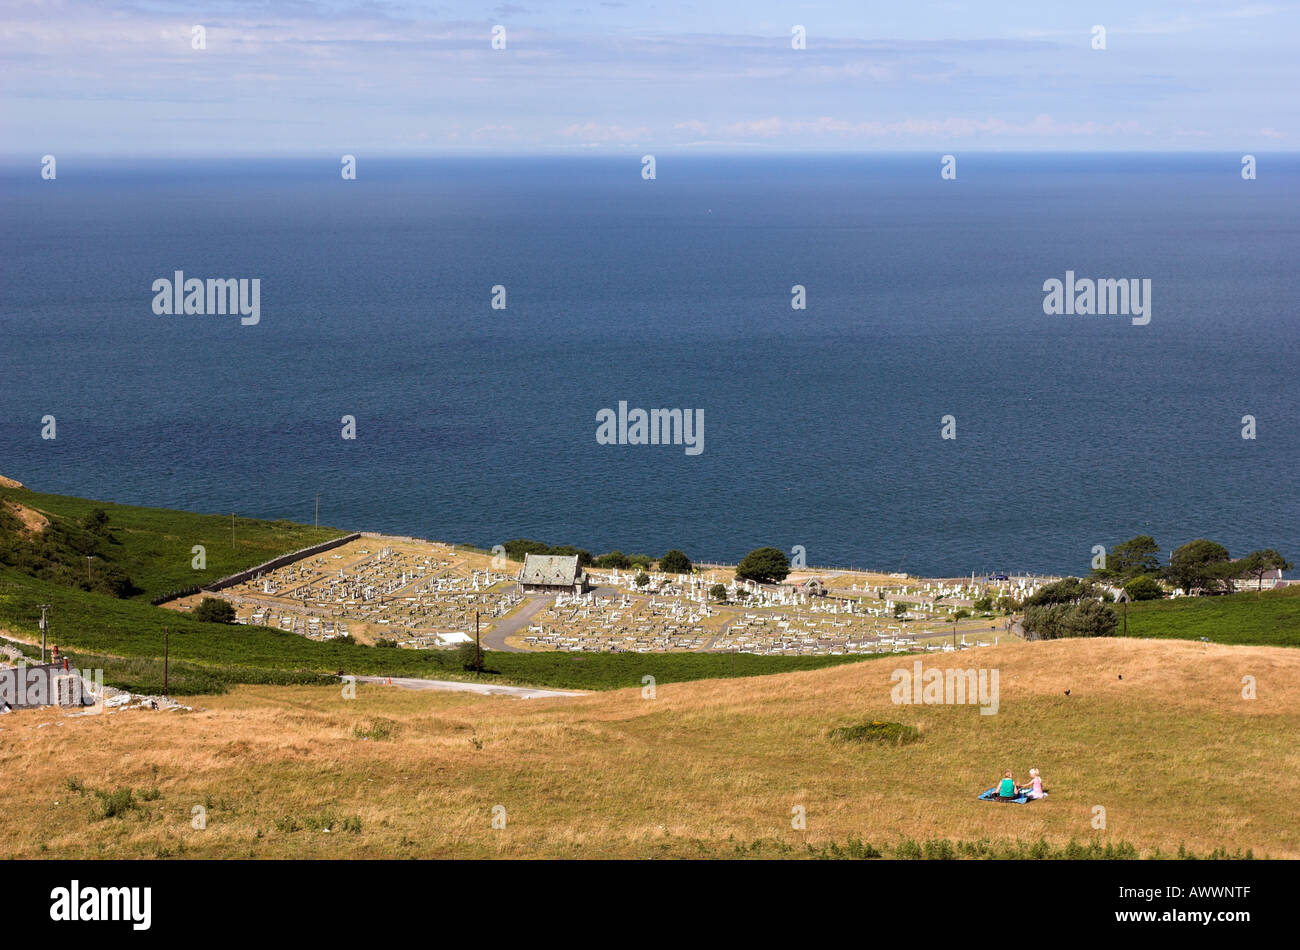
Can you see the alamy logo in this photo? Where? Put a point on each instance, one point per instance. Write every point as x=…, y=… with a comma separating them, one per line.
x=103, y=903
x=936, y=687
x=1103, y=296
x=656, y=427
x=22, y=686
x=216, y=296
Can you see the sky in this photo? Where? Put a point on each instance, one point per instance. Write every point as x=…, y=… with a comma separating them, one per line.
x=300, y=77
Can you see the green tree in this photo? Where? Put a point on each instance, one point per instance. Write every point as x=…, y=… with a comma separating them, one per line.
x=1131, y=558
x=718, y=591
x=766, y=565
x=1144, y=587
x=1200, y=565
x=1071, y=590
x=613, y=559
x=642, y=579
x=1091, y=618
x=1008, y=604
x=1088, y=618
x=675, y=562
x=96, y=522
x=214, y=610
x=1258, y=563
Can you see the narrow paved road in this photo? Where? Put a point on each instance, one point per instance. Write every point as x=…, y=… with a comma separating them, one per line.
x=495, y=639
x=487, y=689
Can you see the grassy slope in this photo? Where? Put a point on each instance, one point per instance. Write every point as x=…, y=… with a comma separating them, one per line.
x=1269, y=618
x=154, y=544
x=1172, y=752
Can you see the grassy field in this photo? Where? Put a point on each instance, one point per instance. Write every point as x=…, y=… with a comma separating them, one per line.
x=1172, y=751
x=154, y=545
x=1257, y=619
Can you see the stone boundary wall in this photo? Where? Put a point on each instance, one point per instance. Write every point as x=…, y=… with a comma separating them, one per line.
x=253, y=572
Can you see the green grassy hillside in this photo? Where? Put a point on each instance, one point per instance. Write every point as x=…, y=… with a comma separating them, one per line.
x=154, y=546
x=1270, y=618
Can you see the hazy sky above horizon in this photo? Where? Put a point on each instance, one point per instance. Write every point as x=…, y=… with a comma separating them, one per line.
x=606, y=76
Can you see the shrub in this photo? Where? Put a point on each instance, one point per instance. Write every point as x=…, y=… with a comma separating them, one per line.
x=718, y=591
x=380, y=730
x=1068, y=591
x=885, y=733
x=116, y=803
x=1088, y=618
x=675, y=562
x=214, y=610
x=1145, y=587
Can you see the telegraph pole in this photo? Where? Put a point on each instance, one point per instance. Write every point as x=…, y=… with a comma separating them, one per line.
x=44, y=626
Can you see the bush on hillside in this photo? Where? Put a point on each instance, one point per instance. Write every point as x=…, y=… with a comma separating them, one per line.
x=214, y=610
x=1145, y=587
x=1088, y=618
x=885, y=733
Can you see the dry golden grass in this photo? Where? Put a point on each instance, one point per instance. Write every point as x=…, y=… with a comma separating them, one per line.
x=1172, y=751
x=32, y=520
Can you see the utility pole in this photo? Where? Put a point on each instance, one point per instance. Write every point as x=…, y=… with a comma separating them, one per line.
x=44, y=625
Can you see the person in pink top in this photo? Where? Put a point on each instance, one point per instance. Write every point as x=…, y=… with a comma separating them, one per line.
x=1035, y=787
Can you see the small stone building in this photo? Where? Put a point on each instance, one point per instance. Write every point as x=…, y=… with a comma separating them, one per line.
x=553, y=574
x=812, y=587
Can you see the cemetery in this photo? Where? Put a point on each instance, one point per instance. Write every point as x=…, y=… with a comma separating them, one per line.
x=419, y=594
x=426, y=595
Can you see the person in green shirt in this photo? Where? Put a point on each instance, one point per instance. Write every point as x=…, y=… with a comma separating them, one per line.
x=1007, y=787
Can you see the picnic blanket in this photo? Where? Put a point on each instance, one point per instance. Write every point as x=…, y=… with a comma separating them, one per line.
x=1021, y=799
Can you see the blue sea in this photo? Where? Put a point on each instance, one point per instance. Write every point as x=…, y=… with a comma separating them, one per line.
x=822, y=427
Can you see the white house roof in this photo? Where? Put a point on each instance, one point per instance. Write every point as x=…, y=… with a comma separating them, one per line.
x=550, y=569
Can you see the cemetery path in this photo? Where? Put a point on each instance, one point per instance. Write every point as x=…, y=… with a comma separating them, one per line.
x=495, y=639
x=487, y=689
